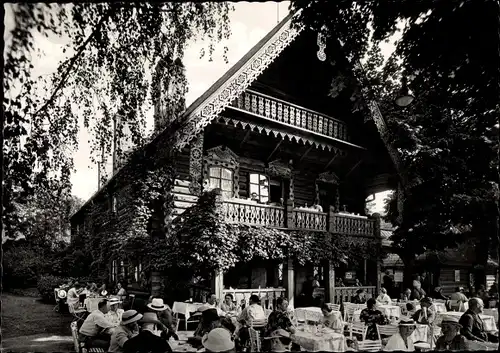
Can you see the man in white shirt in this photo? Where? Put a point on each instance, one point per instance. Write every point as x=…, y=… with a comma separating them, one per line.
x=402, y=341
x=96, y=329
x=254, y=312
x=73, y=297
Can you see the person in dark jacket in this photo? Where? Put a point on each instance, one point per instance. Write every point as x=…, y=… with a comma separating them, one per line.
x=146, y=341
x=417, y=293
x=437, y=293
x=360, y=297
x=472, y=324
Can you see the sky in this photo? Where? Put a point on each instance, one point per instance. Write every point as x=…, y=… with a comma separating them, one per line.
x=250, y=22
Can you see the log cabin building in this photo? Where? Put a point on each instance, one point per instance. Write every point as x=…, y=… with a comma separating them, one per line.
x=273, y=139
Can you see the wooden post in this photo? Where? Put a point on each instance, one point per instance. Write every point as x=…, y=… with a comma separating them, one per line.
x=364, y=272
x=289, y=282
x=218, y=285
x=331, y=218
x=330, y=283
x=289, y=214
x=156, y=283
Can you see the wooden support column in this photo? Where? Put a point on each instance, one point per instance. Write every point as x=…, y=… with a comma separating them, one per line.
x=217, y=285
x=289, y=214
x=330, y=283
x=289, y=282
x=156, y=280
x=364, y=272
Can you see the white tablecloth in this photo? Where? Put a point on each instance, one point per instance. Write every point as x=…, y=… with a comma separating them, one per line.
x=421, y=333
x=310, y=313
x=390, y=310
x=439, y=307
x=491, y=312
x=91, y=304
x=327, y=340
x=488, y=320
x=185, y=308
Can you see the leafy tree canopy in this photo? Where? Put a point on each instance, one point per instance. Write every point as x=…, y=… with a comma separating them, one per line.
x=115, y=47
x=447, y=139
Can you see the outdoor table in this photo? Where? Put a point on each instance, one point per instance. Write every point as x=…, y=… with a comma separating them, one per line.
x=325, y=340
x=312, y=314
x=91, y=304
x=390, y=310
x=481, y=346
x=439, y=307
x=491, y=312
x=185, y=308
x=488, y=320
x=421, y=333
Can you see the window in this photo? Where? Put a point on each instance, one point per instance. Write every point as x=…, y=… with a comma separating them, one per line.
x=259, y=184
x=222, y=178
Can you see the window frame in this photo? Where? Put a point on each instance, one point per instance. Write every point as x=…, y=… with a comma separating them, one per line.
x=259, y=194
x=220, y=178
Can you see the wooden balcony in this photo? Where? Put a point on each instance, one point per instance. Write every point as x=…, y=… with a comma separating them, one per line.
x=290, y=114
x=242, y=211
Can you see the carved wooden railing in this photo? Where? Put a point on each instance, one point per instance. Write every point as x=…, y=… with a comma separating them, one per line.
x=352, y=225
x=267, y=296
x=253, y=214
x=345, y=294
x=309, y=220
x=291, y=114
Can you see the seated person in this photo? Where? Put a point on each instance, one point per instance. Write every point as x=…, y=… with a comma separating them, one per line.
x=459, y=298
x=372, y=317
x=383, y=298
x=331, y=319
x=163, y=314
x=102, y=290
x=218, y=340
x=472, y=324
x=279, y=341
x=402, y=341
x=73, y=296
x=127, y=329
x=147, y=341
x=121, y=292
x=254, y=312
x=406, y=295
x=417, y=293
x=360, y=297
x=451, y=340
x=228, y=305
x=114, y=315
x=425, y=315
x=411, y=309
x=96, y=329
x=438, y=294
x=209, y=321
x=481, y=293
x=211, y=304
x=279, y=318
x=358, y=283
x=316, y=206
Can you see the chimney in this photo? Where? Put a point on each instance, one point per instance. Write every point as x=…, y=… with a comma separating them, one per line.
x=169, y=91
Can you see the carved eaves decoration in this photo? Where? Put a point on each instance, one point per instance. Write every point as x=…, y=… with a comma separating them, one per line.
x=328, y=178
x=279, y=169
x=235, y=85
x=222, y=156
x=196, y=165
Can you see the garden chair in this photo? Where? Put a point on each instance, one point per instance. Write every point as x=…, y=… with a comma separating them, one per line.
x=255, y=343
x=334, y=307
x=370, y=346
x=78, y=314
x=386, y=331
x=357, y=328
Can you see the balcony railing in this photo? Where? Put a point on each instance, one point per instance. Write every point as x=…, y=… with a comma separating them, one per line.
x=309, y=220
x=243, y=211
x=291, y=114
x=253, y=214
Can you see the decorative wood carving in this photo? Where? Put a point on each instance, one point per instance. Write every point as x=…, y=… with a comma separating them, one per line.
x=222, y=156
x=329, y=178
x=279, y=168
x=196, y=165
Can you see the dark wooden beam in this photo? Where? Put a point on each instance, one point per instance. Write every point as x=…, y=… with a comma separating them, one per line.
x=331, y=160
x=275, y=149
x=353, y=168
x=306, y=153
x=245, y=138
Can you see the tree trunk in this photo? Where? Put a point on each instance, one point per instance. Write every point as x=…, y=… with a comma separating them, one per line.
x=409, y=269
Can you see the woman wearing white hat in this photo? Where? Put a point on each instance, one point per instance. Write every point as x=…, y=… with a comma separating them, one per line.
x=127, y=329
x=164, y=313
x=402, y=341
x=451, y=340
x=114, y=315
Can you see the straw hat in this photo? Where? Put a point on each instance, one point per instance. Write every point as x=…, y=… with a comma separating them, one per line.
x=150, y=318
x=452, y=320
x=114, y=301
x=157, y=305
x=130, y=316
x=278, y=334
x=218, y=340
x=61, y=293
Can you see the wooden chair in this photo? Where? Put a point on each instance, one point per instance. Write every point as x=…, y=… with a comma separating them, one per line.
x=74, y=334
x=386, y=330
x=255, y=344
x=358, y=328
x=370, y=346
x=192, y=319
x=78, y=314
x=457, y=305
x=334, y=307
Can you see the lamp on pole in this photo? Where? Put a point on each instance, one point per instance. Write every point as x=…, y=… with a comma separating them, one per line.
x=404, y=98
